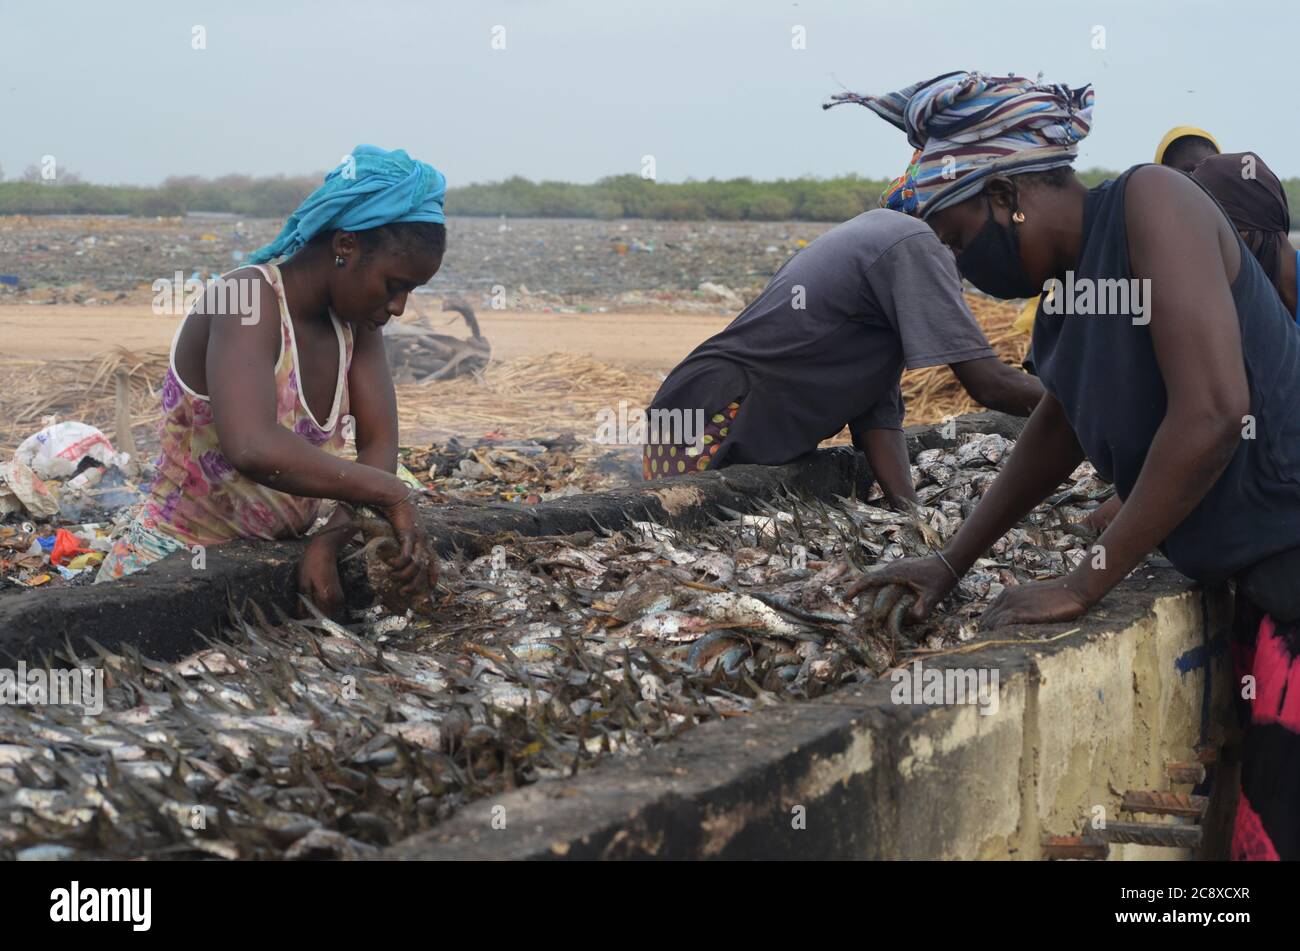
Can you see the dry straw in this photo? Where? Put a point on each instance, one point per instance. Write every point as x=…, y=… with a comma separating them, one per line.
x=537, y=395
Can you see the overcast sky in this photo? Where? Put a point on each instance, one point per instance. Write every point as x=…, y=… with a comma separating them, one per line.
x=584, y=88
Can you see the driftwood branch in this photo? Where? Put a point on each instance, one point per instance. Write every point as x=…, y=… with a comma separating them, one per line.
x=418, y=354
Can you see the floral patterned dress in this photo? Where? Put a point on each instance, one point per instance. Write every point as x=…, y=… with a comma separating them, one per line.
x=198, y=497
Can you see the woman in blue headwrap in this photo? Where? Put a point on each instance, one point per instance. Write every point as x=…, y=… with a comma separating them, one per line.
x=267, y=368
x=1169, y=362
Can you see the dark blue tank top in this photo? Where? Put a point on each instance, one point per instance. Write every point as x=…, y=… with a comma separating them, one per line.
x=1103, y=371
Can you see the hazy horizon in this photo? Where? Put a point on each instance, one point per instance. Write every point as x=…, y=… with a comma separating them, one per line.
x=582, y=91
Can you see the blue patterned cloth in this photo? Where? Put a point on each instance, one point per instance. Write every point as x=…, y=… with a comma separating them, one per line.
x=372, y=187
x=970, y=126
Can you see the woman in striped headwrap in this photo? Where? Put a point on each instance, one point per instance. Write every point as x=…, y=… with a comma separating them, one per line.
x=1169, y=362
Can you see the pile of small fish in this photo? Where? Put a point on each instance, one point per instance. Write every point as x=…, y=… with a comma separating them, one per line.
x=315, y=739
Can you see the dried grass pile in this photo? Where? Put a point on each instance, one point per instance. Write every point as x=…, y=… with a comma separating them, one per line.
x=537, y=395
x=543, y=394
x=90, y=391
x=934, y=393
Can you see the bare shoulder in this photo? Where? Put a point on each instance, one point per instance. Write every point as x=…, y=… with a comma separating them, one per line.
x=1154, y=190
x=1171, y=219
x=243, y=307
x=237, y=292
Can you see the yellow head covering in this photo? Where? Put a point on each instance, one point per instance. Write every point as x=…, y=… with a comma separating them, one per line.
x=1178, y=132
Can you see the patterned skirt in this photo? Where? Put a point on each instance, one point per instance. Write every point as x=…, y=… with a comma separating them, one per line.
x=136, y=546
x=662, y=461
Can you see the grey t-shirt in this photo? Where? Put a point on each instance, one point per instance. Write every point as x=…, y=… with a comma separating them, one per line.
x=826, y=342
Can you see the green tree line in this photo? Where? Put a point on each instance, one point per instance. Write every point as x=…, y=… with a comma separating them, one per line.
x=622, y=196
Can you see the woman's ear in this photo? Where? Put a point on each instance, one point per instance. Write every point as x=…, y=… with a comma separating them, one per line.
x=1002, y=191
x=345, y=245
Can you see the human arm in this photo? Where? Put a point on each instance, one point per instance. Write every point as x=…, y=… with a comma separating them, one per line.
x=1179, y=241
x=878, y=433
x=240, y=369
x=994, y=384
x=886, y=452
x=373, y=403
x=1044, y=456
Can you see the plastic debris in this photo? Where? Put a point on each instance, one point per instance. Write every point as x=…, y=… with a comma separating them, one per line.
x=22, y=489
x=66, y=546
x=58, y=451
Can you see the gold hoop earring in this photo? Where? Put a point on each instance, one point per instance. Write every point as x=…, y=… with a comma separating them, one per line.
x=1018, y=217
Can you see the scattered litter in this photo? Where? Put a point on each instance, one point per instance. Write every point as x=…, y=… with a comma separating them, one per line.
x=520, y=470
x=553, y=265
x=21, y=490
x=66, y=546
x=60, y=450
x=720, y=294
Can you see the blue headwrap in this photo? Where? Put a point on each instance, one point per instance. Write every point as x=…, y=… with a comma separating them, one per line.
x=372, y=187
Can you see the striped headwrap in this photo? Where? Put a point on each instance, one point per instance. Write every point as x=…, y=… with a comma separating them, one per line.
x=969, y=126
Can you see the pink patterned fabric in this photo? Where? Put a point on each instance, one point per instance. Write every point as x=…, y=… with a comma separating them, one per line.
x=198, y=497
x=1266, y=654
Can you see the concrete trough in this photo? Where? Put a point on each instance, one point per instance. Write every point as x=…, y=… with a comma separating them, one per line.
x=1079, y=720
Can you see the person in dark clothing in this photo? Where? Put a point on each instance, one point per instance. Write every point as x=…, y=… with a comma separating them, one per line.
x=1255, y=203
x=1186, y=403
x=824, y=346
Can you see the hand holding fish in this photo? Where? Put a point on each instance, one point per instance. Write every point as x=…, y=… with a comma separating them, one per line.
x=1041, y=602
x=318, y=571
x=413, y=559
x=318, y=576
x=1099, y=519
x=916, y=584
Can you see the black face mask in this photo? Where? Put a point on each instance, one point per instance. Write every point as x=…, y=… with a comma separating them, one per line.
x=992, y=262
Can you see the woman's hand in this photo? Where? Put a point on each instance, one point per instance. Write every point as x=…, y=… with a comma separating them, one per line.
x=415, y=551
x=1041, y=602
x=923, y=581
x=318, y=576
x=1098, y=520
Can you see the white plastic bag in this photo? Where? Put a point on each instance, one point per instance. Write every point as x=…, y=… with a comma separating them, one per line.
x=56, y=451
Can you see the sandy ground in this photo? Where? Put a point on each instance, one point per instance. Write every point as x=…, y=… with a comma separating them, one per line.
x=658, y=341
